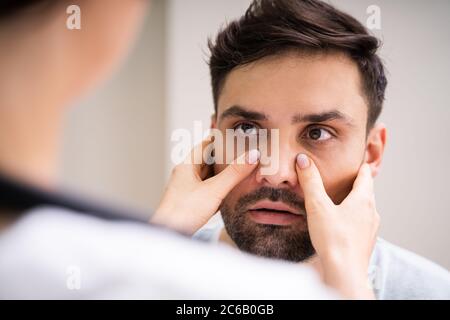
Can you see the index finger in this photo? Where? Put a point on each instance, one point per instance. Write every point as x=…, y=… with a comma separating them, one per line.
x=316, y=197
x=364, y=182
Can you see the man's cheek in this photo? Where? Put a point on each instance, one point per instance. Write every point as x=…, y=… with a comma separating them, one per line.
x=231, y=198
x=338, y=187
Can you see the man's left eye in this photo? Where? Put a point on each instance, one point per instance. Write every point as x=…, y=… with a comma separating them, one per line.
x=318, y=134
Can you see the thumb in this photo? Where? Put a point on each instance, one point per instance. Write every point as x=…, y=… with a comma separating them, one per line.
x=222, y=183
x=316, y=197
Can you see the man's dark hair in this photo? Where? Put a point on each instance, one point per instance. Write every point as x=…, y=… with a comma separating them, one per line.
x=273, y=27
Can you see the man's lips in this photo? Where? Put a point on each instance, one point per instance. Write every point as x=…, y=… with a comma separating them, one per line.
x=281, y=207
x=274, y=213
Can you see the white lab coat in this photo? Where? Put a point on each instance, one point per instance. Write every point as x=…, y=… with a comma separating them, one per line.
x=52, y=253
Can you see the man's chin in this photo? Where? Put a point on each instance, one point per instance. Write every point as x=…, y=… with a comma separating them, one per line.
x=272, y=241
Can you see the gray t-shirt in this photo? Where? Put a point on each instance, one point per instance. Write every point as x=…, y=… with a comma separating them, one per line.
x=394, y=273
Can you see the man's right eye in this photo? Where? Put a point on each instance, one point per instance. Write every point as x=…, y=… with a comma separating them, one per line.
x=246, y=128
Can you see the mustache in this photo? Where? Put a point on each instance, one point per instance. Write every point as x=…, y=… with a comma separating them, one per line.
x=287, y=196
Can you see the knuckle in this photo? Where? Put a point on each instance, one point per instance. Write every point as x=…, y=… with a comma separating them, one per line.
x=176, y=170
x=368, y=200
x=179, y=170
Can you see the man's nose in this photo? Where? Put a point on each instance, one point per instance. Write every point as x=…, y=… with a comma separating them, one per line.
x=285, y=175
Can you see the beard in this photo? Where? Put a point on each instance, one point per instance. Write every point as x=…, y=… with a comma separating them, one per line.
x=291, y=243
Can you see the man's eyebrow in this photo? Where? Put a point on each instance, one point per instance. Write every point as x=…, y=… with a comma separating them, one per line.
x=238, y=111
x=322, y=117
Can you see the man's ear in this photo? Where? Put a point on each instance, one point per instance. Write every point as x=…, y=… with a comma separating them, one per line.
x=213, y=121
x=376, y=141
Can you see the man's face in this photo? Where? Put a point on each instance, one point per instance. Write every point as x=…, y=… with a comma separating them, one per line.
x=316, y=102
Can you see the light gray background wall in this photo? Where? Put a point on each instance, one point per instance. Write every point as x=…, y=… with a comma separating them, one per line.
x=114, y=143
x=118, y=143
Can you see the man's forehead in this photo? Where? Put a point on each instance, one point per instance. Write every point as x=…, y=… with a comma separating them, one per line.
x=295, y=84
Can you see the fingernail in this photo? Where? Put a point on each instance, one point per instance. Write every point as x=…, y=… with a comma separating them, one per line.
x=302, y=161
x=253, y=156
